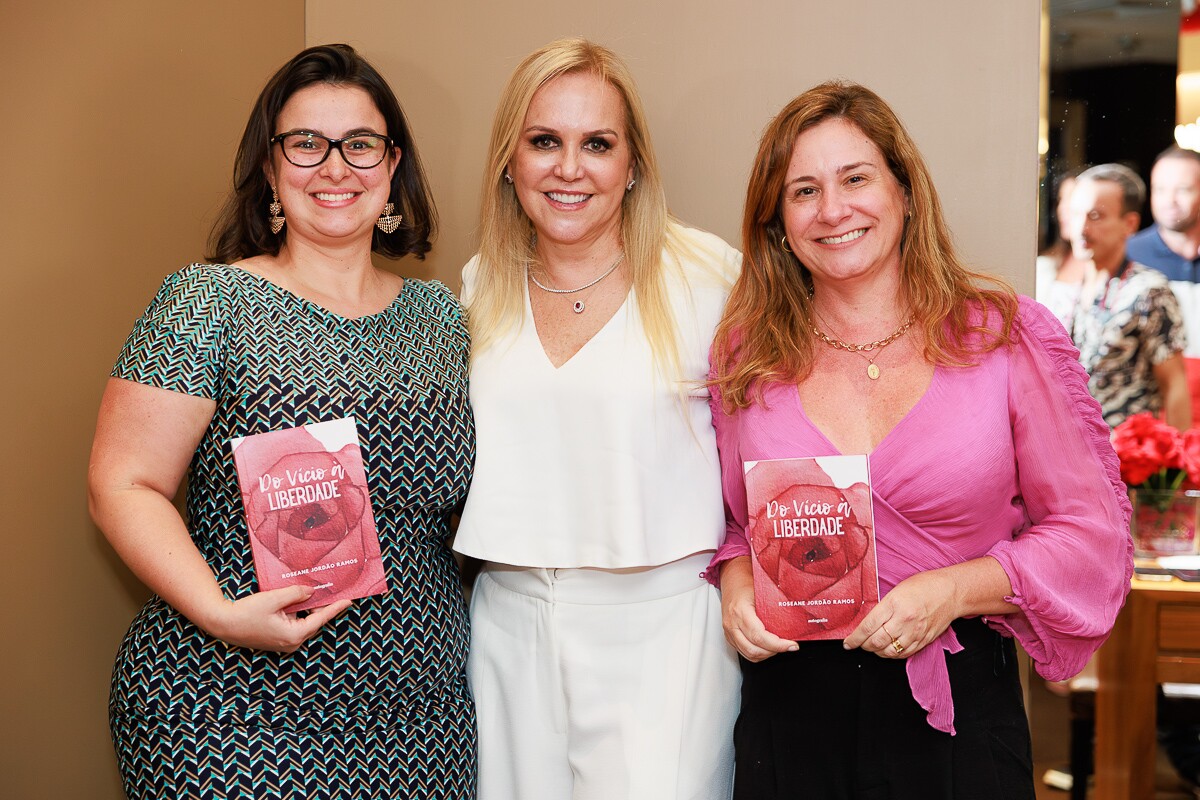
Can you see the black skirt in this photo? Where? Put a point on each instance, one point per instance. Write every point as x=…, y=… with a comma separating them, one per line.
x=825, y=723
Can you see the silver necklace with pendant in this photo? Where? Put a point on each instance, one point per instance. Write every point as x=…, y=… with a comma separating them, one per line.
x=578, y=306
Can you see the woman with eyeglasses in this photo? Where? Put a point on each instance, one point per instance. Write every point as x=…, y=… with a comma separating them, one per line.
x=218, y=690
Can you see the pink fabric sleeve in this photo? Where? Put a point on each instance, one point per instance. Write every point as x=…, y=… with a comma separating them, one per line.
x=1070, y=569
x=733, y=488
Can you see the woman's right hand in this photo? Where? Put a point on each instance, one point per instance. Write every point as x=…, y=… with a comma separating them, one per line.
x=259, y=622
x=145, y=439
x=743, y=629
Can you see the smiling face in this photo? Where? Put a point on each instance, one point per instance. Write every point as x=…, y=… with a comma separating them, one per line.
x=842, y=208
x=1175, y=193
x=573, y=161
x=332, y=202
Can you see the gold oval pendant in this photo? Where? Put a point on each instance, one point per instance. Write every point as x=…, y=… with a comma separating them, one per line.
x=872, y=371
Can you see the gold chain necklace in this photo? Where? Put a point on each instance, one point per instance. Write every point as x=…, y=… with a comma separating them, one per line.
x=863, y=349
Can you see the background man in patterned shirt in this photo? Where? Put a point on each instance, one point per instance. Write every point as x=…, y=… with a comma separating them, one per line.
x=1128, y=325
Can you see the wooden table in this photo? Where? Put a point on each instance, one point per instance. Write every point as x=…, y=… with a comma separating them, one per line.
x=1156, y=640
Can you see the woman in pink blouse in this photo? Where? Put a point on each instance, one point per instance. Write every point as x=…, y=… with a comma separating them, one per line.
x=999, y=511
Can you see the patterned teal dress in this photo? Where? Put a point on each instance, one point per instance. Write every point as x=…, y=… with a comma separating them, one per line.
x=376, y=705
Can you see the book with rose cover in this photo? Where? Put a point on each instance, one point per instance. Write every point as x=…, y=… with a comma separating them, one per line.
x=812, y=544
x=308, y=510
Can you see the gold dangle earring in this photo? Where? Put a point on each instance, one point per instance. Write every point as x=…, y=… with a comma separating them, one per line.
x=275, y=212
x=386, y=222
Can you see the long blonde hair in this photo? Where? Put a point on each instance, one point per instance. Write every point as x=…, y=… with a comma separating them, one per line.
x=506, y=233
x=766, y=333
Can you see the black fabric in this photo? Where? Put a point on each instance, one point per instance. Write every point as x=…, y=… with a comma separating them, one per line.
x=1179, y=735
x=824, y=723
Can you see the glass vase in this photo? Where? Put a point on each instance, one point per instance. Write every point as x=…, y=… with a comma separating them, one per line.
x=1164, y=522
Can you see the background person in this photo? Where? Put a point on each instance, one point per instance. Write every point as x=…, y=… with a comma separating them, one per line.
x=217, y=691
x=1128, y=325
x=597, y=660
x=998, y=506
x=1171, y=245
x=1059, y=273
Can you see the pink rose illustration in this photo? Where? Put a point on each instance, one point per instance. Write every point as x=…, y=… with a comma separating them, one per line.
x=828, y=569
x=309, y=516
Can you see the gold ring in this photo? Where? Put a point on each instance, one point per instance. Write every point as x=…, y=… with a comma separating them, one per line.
x=899, y=648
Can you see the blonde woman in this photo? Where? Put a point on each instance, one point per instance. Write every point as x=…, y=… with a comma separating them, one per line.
x=597, y=658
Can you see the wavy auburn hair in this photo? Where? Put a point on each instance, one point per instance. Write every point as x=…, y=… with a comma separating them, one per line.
x=766, y=335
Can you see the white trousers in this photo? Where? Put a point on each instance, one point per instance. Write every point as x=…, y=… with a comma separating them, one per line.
x=602, y=684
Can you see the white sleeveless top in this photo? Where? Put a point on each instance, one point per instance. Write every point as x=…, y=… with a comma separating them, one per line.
x=595, y=463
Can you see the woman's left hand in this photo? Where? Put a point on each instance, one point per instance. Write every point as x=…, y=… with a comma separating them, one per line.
x=909, y=617
x=920, y=608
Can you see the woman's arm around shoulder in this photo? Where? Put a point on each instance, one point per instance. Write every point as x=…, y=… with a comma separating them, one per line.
x=470, y=279
x=704, y=256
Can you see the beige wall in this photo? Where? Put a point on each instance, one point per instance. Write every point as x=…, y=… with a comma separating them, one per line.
x=963, y=76
x=89, y=234
x=148, y=100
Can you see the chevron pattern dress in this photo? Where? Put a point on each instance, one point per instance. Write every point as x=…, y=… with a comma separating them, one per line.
x=376, y=705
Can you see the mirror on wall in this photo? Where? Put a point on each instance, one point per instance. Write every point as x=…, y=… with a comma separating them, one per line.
x=1110, y=76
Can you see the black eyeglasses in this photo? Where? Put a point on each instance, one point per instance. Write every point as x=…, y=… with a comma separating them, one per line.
x=304, y=149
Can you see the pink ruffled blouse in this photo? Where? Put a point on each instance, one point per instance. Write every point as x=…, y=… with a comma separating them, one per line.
x=1008, y=458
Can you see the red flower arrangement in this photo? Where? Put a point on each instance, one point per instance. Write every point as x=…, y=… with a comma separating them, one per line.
x=1155, y=456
